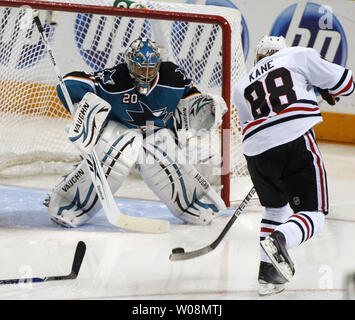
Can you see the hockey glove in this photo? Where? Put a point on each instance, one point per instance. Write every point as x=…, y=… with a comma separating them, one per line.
x=200, y=113
x=327, y=96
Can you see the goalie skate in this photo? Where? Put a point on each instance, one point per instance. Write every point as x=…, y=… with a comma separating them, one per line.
x=59, y=221
x=274, y=247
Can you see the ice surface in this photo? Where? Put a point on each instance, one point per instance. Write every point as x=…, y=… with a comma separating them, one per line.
x=127, y=265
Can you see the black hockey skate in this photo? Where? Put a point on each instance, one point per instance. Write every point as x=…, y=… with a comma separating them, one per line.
x=274, y=247
x=270, y=280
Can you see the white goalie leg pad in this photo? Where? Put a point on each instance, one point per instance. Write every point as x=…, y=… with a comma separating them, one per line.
x=74, y=201
x=179, y=185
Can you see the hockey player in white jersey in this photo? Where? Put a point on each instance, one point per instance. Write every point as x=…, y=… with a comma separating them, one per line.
x=277, y=108
x=131, y=113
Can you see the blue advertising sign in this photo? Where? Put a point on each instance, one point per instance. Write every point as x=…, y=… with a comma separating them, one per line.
x=313, y=25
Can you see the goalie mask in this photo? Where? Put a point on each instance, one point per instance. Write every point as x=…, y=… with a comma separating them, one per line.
x=143, y=62
x=269, y=45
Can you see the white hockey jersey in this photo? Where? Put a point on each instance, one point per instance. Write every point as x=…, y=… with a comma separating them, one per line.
x=276, y=102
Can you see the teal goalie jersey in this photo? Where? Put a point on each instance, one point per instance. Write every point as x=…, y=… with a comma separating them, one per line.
x=129, y=107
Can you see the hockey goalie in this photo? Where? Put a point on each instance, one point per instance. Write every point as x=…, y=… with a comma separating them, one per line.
x=135, y=115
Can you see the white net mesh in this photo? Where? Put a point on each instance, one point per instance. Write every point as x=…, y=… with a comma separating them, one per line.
x=32, y=119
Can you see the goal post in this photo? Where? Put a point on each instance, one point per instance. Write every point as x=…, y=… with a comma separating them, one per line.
x=91, y=35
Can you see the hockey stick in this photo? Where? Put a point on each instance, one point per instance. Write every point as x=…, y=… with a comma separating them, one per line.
x=98, y=177
x=78, y=259
x=180, y=254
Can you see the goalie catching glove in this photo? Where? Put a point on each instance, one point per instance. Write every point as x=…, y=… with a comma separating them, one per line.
x=199, y=113
x=88, y=121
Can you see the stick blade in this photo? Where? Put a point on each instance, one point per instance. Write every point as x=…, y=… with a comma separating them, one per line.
x=113, y=214
x=197, y=253
x=78, y=258
x=190, y=255
x=142, y=224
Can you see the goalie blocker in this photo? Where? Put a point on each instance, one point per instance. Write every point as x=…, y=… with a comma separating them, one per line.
x=88, y=121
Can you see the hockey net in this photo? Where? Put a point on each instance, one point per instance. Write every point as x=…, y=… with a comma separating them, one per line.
x=90, y=35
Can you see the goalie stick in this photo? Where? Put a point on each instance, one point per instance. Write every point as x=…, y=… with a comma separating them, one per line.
x=180, y=254
x=98, y=177
x=78, y=259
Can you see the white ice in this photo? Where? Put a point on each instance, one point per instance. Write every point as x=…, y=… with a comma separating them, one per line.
x=127, y=265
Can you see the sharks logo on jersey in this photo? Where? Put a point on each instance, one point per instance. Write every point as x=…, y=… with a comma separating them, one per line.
x=146, y=115
x=106, y=76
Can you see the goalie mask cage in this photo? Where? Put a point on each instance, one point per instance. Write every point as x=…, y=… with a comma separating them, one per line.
x=90, y=35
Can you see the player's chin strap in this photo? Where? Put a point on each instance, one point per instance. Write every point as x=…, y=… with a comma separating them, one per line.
x=98, y=177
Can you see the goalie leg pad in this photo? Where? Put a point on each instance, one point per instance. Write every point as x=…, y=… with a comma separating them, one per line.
x=74, y=201
x=181, y=187
x=118, y=155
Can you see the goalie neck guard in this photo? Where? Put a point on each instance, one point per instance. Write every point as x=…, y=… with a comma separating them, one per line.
x=143, y=62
